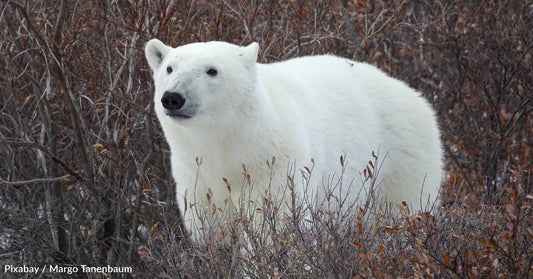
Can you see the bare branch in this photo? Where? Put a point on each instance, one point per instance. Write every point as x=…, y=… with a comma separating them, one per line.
x=35, y=181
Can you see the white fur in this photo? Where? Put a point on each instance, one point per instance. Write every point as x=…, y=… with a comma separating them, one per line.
x=318, y=107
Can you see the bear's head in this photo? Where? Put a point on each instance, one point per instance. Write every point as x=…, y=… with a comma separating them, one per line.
x=201, y=82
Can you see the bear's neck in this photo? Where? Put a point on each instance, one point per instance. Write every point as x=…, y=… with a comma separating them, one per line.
x=253, y=131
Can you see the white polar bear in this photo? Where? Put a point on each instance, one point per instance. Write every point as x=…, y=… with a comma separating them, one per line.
x=220, y=109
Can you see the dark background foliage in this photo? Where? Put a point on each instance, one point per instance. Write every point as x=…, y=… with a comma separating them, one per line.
x=84, y=172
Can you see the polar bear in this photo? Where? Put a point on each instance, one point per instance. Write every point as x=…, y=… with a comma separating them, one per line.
x=225, y=117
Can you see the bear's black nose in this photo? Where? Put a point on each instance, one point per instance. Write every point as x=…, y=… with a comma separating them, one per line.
x=172, y=100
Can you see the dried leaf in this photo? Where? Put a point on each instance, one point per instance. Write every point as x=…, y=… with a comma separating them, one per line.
x=98, y=145
x=144, y=253
x=28, y=99
x=208, y=195
x=370, y=175
x=198, y=161
x=64, y=179
x=290, y=179
x=530, y=232
x=391, y=229
x=302, y=173
x=446, y=259
x=227, y=184
x=153, y=228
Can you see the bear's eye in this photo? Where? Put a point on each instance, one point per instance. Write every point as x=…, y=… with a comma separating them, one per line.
x=212, y=72
x=169, y=69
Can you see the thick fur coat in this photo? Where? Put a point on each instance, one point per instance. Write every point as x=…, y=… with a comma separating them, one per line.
x=230, y=110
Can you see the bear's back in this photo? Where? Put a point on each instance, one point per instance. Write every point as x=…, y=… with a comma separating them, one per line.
x=326, y=76
x=353, y=108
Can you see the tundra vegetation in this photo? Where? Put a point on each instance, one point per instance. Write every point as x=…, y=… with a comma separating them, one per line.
x=85, y=176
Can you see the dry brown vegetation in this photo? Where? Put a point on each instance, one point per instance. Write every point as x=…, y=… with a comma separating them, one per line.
x=84, y=172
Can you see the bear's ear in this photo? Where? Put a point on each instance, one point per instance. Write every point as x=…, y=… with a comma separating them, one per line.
x=155, y=52
x=250, y=52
